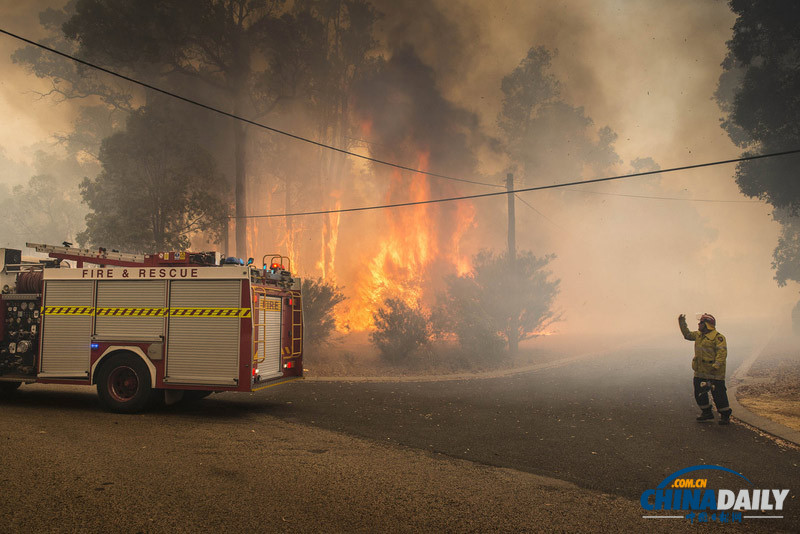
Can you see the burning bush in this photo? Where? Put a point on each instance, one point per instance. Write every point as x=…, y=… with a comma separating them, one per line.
x=399, y=330
x=319, y=300
x=497, y=301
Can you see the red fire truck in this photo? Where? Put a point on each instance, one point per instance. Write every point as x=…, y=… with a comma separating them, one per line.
x=148, y=328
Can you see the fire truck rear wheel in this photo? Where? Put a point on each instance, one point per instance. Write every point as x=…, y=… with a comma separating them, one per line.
x=9, y=387
x=123, y=384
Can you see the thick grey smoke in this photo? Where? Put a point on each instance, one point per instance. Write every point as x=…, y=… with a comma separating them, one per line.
x=647, y=70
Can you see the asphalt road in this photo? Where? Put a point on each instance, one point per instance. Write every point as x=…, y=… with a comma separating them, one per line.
x=405, y=456
x=618, y=424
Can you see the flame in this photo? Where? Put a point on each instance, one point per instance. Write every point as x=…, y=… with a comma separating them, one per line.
x=366, y=127
x=545, y=333
x=269, y=236
x=400, y=266
x=329, y=240
x=252, y=238
x=465, y=220
x=415, y=247
x=333, y=233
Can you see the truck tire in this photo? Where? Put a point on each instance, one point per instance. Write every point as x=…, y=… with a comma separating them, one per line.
x=9, y=387
x=123, y=384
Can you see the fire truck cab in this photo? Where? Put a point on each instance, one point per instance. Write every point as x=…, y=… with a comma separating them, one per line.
x=148, y=328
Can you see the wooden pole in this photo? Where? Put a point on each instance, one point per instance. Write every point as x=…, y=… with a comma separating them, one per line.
x=513, y=327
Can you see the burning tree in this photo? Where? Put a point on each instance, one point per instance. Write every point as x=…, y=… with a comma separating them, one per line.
x=406, y=118
x=482, y=307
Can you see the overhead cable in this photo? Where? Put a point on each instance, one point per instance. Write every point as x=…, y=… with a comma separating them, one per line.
x=244, y=119
x=542, y=215
x=390, y=164
x=666, y=198
x=526, y=189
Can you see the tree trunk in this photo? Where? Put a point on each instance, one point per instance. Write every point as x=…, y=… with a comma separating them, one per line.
x=240, y=188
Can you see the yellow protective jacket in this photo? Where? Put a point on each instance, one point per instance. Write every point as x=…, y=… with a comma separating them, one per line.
x=710, y=352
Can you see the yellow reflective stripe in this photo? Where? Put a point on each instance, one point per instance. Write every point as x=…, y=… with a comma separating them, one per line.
x=68, y=310
x=147, y=312
x=132, y=312
x=209, y=312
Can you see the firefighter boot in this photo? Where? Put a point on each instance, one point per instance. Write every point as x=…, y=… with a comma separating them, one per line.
x=706, y=415
x=725, y=418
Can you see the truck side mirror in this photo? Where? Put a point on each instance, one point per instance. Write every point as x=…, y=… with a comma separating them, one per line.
x=250, y=261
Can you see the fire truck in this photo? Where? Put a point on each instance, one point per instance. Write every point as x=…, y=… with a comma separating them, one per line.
x=148, y=328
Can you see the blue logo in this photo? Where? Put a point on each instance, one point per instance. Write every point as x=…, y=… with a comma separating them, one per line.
x=696, y=501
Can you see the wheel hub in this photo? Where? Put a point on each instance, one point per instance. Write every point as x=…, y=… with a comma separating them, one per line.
x=123, y=384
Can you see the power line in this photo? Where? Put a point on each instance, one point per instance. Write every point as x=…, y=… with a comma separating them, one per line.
x=243, y=119
x=542, y=215
x=665, y=198
x=525, y=190
x=395, y=165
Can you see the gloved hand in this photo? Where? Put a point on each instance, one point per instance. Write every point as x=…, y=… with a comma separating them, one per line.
x=682, y=318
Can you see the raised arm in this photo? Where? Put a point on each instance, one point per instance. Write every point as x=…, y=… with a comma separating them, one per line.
x=687, y=334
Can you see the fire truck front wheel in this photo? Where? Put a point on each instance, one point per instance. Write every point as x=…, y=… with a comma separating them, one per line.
x=123, y=384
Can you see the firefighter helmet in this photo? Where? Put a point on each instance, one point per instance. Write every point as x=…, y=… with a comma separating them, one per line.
x=708, y=318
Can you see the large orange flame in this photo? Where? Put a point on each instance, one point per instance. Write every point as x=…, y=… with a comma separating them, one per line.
x=400, y=264
x=414, y=248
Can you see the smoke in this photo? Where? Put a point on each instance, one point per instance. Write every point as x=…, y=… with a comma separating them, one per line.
x=645, y=70
x=648, y=70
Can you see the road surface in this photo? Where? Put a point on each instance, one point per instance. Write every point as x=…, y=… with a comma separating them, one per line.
x=617, y=424
x=567, y=448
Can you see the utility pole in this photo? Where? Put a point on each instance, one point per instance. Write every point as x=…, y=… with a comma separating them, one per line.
x=513, y=327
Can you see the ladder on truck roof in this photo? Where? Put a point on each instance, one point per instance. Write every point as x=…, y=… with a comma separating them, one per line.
x=87, y=255
x=102, y=256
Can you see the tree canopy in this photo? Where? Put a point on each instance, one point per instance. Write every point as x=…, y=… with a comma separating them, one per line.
x=481, y=306
x=400, y=329
x=759, y=93
x=544, y=136
x=155, y=189
x=319, y=302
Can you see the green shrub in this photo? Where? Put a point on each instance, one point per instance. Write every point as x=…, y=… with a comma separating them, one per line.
x=399, y=330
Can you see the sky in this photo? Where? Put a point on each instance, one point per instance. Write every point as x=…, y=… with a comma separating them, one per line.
x=646, y=69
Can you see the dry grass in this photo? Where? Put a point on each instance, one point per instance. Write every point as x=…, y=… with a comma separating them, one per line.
x=777, y=395
x=354, y=356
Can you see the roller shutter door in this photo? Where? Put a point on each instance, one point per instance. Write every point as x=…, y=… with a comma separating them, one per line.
x=268, y=334
x=203, y=349
x=131, y=310
x=66, y=337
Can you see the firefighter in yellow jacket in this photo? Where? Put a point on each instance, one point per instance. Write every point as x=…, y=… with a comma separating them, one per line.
x=710, y=353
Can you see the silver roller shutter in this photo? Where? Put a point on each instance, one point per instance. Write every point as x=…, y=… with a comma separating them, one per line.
x=203, y=350
x=271, y=321
x=66, y=339
x=131, y=295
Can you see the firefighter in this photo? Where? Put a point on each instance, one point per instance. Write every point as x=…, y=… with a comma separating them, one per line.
x=710, y=353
